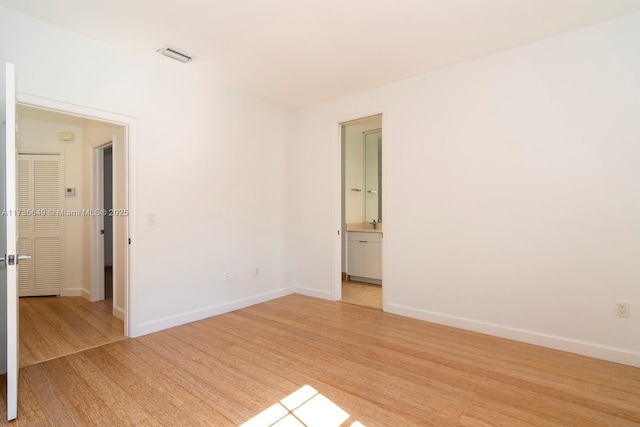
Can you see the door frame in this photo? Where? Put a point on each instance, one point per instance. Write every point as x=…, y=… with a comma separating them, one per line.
x=336, y=291
x=129, y=124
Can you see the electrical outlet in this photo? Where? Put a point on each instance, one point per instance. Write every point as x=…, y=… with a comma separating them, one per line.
x=227, y=276
x=622, y=309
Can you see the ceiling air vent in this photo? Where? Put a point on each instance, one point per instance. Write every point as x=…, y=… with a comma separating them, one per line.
x=175, y=54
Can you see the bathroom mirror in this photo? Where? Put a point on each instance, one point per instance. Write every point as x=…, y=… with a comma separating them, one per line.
x=361, y=170
x=372, y=175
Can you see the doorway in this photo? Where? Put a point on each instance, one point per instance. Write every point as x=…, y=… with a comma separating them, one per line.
x=107, y=172
x=102, y=244
x=75, y=312
x=361, y=212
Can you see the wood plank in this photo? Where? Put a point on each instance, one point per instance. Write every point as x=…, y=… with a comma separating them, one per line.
x=43, y=339
x=98, y=315
x=51, y=327
x=380, y=368
x=447, y=363
x=200, y=412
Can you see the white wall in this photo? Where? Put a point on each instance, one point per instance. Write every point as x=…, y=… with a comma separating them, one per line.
x=38, y=133
x=97, y=134
x=208, y=161
x=510, y=192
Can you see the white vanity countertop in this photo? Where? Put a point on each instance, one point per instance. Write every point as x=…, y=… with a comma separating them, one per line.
x=364, y=227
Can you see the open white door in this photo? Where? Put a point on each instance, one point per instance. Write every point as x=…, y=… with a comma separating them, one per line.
x=97, y=243
x=8, y=242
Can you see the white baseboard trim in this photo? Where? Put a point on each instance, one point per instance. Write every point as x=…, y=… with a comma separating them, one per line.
x=118, y=312
x=365, y=280
x=72, y=292
x=203, y=313
x=85, y=294
x=598, y=351
x=313, y=293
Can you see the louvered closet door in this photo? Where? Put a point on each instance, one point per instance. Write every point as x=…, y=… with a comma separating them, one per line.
x=25, y=224
x=40, y=234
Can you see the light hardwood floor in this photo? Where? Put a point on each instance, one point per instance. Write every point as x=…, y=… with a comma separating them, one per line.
x=364, y=294
x=51, y=327
x=380, y=369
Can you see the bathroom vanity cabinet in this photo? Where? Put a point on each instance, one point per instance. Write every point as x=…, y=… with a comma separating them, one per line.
x=364, y=256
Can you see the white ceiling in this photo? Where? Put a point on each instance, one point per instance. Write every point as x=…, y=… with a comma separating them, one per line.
x=296, y=53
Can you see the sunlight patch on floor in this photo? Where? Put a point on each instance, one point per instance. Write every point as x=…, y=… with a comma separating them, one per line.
x=305, y=407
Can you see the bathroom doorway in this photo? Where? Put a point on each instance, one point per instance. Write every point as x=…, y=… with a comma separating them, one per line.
x=361, y=212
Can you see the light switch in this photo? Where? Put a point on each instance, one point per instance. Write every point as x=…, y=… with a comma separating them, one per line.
x=151, y=218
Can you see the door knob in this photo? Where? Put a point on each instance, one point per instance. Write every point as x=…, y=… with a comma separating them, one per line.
x=11, y=259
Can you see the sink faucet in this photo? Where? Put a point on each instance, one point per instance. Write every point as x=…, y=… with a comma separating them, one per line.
x=375, y=224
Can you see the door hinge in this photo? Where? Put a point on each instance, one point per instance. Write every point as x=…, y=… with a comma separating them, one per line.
x=129, y=240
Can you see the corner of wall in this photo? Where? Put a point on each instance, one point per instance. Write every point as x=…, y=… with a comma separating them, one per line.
x=195, y=315
x=315, y=293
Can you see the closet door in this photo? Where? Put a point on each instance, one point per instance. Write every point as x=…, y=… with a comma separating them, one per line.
x=25, y=224
x=40, y=224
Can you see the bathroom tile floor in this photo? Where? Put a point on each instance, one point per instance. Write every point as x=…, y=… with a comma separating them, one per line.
x=364, y=294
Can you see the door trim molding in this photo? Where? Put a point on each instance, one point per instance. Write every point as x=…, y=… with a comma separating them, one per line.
x=337, y=122
x=97, y=224
x=131, y=326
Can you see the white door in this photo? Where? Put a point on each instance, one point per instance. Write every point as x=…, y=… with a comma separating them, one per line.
x=97, y=245
x=8, y=238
